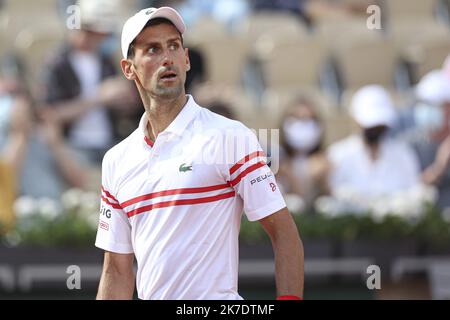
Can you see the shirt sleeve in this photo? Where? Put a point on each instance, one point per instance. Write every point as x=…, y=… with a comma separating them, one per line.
x=114, y=229
x=250, y=176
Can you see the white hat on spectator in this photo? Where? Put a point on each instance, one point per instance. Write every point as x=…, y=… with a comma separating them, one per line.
x=134, y=25
x=372, y=106
x=434, y=88
x=99, y=15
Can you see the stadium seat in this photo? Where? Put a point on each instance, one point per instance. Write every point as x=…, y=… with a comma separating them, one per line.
x=428, y=55
x=409, y=31
x=276, y=101
x=288, y=63
x=273, y=23
x=416, y=9
x=225, y=59
x=333, y=32
x=423, y=45
x=22, y=14
x=205, y=29
x=363, y=61
x=240, y=103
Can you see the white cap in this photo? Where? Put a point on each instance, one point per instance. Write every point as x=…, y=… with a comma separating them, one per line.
x=434, y=88
x=134, y=25
x=99, y=15
x=372, y=106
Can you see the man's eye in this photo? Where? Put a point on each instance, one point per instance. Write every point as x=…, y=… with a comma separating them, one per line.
x=153, y=50
x=173, y=46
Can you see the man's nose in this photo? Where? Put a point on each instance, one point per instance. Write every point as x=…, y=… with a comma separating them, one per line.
x=167, y=58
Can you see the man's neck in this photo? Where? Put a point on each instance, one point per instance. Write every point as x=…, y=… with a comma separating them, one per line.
x=161, y=113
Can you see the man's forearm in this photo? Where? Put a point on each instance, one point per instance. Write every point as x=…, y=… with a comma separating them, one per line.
x=69, y=111
x=289, y=264
x=116, y=286
x=288, y=250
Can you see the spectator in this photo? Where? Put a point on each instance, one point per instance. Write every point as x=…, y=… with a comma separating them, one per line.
x=34, y=151
x=14, y=129
x=369, y=163
x=303, y=166
x=83, y=91
x=432, y=116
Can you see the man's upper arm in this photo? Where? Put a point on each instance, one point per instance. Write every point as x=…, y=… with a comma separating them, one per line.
x=118, y=263
x=114, y=229
x=278, y=223
x=250, y=176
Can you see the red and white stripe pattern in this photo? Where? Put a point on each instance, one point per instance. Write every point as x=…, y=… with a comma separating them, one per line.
x=189, y=196
x=109, y=199
x=177, y=197
x=246, y=165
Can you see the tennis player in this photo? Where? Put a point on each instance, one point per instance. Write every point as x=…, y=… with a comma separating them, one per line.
x=174, y=191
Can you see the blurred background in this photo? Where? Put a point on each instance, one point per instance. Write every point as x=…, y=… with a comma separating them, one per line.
x=359, y=91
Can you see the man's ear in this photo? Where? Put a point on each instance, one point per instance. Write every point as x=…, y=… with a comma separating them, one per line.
x=128, y=69
x=188, y=62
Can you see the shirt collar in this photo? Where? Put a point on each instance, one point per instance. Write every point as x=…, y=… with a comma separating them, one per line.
x=178, y=125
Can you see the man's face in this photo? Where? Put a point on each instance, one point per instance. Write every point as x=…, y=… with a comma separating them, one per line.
x=160, y=62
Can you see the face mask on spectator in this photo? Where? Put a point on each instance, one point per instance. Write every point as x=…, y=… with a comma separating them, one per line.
x=373, y=136
x=302, y=135
x=428, y=117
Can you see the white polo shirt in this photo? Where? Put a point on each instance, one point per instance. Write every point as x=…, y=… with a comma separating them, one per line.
x=177, y=203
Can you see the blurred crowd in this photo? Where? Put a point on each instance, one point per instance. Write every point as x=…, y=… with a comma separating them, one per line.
x=55, y=127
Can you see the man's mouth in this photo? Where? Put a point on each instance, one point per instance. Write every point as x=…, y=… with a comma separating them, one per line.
x=170, y=75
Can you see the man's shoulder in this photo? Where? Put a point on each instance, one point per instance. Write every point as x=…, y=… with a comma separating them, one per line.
x=212, y=120
x=121, y=150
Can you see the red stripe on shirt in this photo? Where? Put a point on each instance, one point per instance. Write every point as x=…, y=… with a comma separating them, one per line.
x=114, y=205
x=181, y=202
x=173, y=192
x=246, y=159
x=148, y=141
x=109, y=195
x=246, y=172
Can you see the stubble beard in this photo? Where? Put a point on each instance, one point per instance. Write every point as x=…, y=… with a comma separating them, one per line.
x=172, y=92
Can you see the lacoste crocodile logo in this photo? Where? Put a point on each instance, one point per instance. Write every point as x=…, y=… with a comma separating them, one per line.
x=185, y=168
